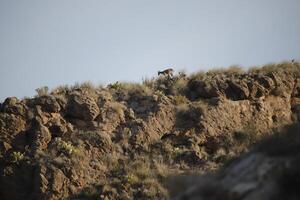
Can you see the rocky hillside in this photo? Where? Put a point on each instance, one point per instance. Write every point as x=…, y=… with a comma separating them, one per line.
x=270, y=171
x=127, y=141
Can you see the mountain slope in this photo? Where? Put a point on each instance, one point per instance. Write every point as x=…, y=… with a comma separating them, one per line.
x=123, y=141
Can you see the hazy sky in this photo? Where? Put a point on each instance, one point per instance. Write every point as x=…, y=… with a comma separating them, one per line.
x=55, y=42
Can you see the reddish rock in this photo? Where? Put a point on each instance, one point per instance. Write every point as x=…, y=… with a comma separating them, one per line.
x=83, y=107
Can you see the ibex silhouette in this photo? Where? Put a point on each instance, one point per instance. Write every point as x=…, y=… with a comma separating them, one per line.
x=167, y=72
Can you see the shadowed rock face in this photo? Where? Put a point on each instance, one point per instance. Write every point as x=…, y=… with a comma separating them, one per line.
x=270, y=171
x=246, y=86
x=12, y=105
x=123, y=141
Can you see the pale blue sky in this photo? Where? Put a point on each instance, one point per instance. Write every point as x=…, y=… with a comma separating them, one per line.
x=55, y=42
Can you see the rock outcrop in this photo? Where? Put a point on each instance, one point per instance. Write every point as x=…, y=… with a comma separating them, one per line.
x=82, y=106
x=269, y=171
x=123, y=141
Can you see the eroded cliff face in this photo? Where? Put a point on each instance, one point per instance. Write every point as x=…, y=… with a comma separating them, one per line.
x=123, y=141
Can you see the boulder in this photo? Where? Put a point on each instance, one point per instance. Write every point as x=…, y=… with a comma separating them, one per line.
x=284, y=84
x=39, y=134
x=266, y=82
x=40, y=182
x=61, y=100
x=296, y=91
x=237, y=90
x=203, y=89
x=48, y=103
x=190, y=157
x=11, y=125
x=257, y=90
x=11, y=101
x=14, y=106
x=82, y=107
x=111, y=115
x=60, y=181
x=58, y=125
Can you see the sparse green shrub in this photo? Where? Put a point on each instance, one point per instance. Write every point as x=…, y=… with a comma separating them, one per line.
x=17, y=157
x=115, y=86
x=160, y=94
x=67, y=147
x=132, y=179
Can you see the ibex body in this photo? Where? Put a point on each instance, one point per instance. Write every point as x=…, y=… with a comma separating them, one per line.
x=167, y=72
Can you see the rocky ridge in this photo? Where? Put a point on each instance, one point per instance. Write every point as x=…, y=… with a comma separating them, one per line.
x=123, y=141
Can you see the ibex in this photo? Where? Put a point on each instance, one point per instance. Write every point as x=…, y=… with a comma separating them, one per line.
x=167, y=72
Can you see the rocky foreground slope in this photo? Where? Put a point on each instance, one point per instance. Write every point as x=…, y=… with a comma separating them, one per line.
x=127, y=141
x=271, y=170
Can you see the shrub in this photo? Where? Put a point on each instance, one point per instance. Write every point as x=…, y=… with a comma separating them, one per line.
x=230, y=71
x=179, y=86
x=198, y=75
x=42, y=91
x=153, y=189
x=63, y=89
x=117, y=108
x=188, y=116
x=234, y=69
x=247, y=136
x=17, y=157
x=179, y=99
x=150, y=83
x=89, y=135
x=124, y=91
x=115, y=86
x=67, y=147
x=160, y=94
x=283, y=67
x=132, y=179
x=87, y=86
x=136, y=89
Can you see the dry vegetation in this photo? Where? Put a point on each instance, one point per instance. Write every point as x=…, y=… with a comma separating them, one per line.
x=125, y=140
